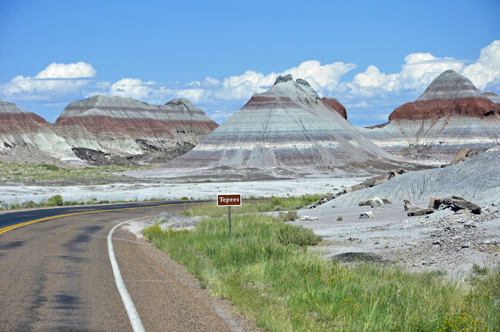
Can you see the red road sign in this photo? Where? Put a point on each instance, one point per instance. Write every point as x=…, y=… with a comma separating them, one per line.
x=228, y=199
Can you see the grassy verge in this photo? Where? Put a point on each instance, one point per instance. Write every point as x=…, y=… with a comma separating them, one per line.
x=274, y=278
x=276, y=204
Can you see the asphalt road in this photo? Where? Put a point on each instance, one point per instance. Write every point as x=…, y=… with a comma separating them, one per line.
x=56, y=274
x=14, y=217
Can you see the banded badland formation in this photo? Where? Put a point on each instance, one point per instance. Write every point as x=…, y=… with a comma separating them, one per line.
x=449, y=116
x=104, y=130
x=288, y=126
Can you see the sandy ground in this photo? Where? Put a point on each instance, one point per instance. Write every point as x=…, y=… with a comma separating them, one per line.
x=165, y=190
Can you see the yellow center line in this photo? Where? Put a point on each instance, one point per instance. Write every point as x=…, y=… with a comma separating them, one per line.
x=11, y=227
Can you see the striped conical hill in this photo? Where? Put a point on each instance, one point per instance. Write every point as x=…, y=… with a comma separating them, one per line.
x=288, y=126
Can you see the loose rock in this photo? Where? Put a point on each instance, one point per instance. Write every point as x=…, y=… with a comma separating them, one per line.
x=366, y=215
x=376, y=203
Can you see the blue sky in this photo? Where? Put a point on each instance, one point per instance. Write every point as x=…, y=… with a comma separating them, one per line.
x=370, y=55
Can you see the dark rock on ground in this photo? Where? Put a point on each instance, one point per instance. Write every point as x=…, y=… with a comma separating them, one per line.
x=359, y=257
x=413, y=210
x=455, y=203
x=100, y=158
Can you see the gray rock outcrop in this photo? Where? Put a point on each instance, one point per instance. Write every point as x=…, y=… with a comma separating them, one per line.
x=476, y=179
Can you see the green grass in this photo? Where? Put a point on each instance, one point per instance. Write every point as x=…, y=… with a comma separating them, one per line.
x=292, y=203
x=286, y=287
x=11, y=172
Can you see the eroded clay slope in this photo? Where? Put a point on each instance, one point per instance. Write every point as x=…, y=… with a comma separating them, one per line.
x=475, y=179
x=27, y=137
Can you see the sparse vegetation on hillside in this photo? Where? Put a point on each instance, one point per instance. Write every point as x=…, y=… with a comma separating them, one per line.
x=10, y=172
x=286, y=287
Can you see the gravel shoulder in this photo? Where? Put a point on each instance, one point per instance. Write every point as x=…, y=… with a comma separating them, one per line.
x=222, y=308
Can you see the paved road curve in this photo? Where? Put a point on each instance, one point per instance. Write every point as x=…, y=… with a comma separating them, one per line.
x=56, y=275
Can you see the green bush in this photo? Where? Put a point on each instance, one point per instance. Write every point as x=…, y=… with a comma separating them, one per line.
x=29, y=204
x=289, y=216
x=480, y=270
x=51, y=167
x=290, y=234
x=56, y=200
x=339, y=218
x=103, y=202
x=154, y=232
x=15, y=206
x=275, y=201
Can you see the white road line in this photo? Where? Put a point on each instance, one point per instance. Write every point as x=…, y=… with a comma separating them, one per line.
x=135, y=320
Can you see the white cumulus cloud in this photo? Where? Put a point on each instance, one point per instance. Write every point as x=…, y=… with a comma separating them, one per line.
x=132, y=88
x=71, y=70
x=419, y=70
x=487, y=67
x=57, y=80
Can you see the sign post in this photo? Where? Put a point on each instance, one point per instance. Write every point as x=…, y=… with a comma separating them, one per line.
x=229, y=200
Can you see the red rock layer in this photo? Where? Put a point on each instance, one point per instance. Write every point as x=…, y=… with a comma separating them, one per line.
x=138, y=127
x=336, y=105
x=21, y=122
x=449, y=94
x=435, y=109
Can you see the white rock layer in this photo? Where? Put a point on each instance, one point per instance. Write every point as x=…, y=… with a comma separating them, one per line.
x=27, y=137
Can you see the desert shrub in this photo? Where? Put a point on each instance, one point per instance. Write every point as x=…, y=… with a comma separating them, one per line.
x=154, y=231
x=15, y=206
x=51, y=167
x=56, y=200
x=103, y=202
x=480, y=270
x=339, y=218
x=289, y=216
x=275, y=201
x=290, y=234
x=29, y=204
x=184, y=198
